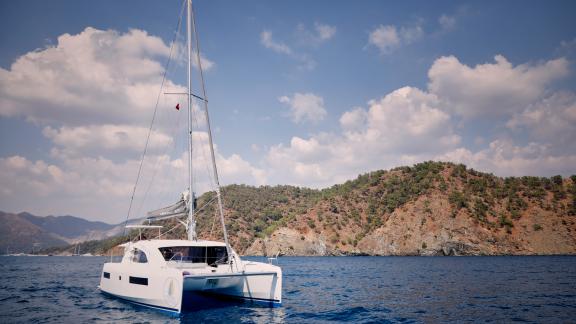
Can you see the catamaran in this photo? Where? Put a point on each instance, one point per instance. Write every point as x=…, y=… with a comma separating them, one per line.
x=166, y=273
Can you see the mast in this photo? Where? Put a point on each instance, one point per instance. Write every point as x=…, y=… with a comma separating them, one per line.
x=214, y=168
x=191, y=228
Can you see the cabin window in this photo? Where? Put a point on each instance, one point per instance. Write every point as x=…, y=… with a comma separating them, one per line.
x=138, y=281
x=211, y=255
x=138, y=256
x=106, y=275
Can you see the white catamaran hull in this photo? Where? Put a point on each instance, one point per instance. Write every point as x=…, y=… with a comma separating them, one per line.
x=163, y=291
x=166, y=291
x=165, y=285
x=255, y=286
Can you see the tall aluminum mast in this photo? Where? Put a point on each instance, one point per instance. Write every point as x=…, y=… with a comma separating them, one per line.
x=214, y=168
x=191, y=219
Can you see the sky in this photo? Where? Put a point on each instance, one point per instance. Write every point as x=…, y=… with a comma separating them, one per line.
x=305, y=93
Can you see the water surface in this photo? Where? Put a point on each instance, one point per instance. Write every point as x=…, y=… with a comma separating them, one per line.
x=318, y=289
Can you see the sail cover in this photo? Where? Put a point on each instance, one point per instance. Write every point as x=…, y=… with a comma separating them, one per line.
x=178, y=209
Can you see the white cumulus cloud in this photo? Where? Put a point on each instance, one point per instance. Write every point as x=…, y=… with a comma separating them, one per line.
x=93, y=94
x=100, y=139
x=403, y=126
x=100, y=188
x=491, y=89
x=93, y=77
x=354, y=120
x=305, y=107
x=504, y=158
x=410, y=125
x=552, y=120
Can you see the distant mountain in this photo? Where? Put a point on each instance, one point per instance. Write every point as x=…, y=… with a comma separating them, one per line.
x=431, y=208
x=18, y=235
x=22, y=232
x=67, y=226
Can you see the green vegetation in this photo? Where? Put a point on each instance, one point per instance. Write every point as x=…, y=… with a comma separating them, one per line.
x=358, y=207
x=537, y=227
x=572, y=191
x=458, y=200
x=397, y=190
x=459, y=171
x=480, y=210
x=311, y=223
x=506, y=223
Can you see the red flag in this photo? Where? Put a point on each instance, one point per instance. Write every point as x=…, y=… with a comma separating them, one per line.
x=177, y=106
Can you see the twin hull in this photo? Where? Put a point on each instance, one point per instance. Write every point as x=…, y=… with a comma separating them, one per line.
x=164, y=287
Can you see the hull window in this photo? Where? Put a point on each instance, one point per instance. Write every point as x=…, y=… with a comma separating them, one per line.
x=106, y=275
x=138, y=256
x=139, y=281
x=211, y=255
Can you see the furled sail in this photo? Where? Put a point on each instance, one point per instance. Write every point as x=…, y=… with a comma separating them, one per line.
x=178, y=209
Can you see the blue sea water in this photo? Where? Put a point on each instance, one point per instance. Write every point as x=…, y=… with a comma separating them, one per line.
x=317, y=289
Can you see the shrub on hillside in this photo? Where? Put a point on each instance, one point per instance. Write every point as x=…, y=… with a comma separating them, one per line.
x=458, y=200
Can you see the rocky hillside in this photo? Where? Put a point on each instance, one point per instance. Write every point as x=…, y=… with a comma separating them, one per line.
x=431, y=208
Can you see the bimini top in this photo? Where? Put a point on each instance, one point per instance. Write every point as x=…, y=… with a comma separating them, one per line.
x=157, y=252
x=170, y=243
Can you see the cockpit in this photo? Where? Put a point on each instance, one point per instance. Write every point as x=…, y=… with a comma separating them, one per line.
x=211, y=255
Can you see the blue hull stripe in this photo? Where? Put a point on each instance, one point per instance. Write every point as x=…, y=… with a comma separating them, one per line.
x=263, y=300
x=274, y=301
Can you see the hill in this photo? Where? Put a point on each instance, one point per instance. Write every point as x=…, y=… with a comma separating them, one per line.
x=431, y=208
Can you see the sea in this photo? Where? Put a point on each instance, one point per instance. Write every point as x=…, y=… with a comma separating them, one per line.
x=505, y=289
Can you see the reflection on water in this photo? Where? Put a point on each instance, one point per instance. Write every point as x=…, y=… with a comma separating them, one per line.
x=219, y=309
x=264, y=315
x=316, y=289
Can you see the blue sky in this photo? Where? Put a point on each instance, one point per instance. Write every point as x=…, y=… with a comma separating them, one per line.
x=303, y=93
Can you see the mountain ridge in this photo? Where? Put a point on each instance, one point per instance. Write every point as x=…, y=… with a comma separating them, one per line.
x=66, y=226
x=18, y=235
x=24, y=232
x=430, y=208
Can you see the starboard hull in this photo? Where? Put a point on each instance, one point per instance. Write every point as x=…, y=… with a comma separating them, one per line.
x=264, y=287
